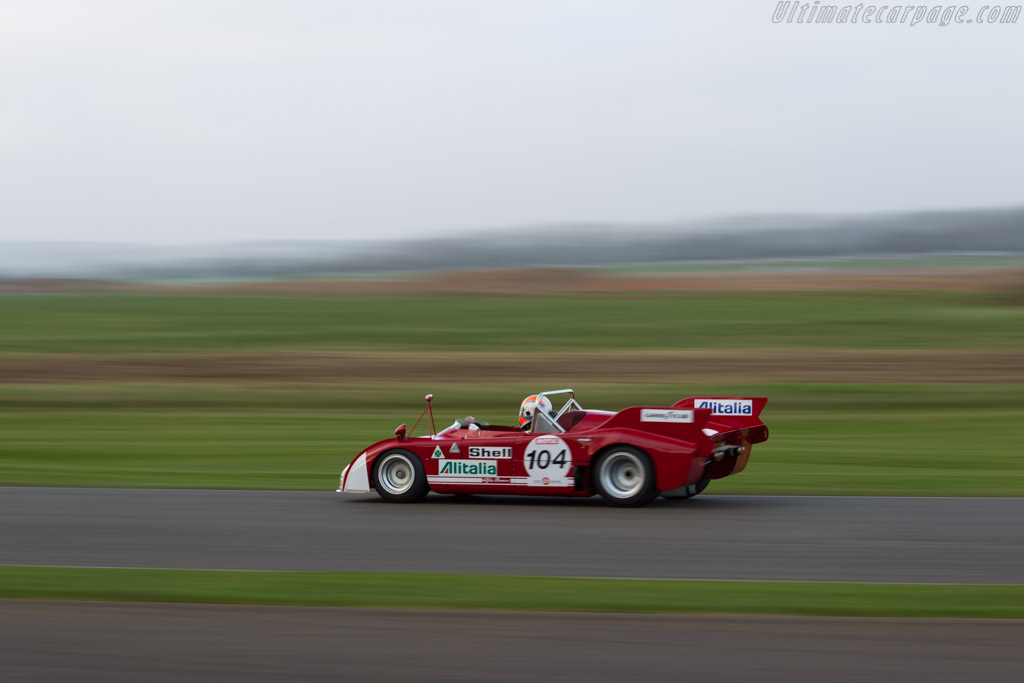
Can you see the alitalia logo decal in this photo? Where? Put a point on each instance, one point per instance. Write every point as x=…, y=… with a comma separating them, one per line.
x=725, y=406
x=468, y=469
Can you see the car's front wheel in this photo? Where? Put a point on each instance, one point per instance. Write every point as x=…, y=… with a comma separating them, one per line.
x=624, y=476
x=399, y=477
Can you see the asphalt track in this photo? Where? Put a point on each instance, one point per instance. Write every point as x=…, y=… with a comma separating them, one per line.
x=920, y=540
x=62, y=641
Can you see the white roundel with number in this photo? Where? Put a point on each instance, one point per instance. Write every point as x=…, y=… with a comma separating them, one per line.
x=548, y=462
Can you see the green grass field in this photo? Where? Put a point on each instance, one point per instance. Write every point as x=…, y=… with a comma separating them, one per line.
x=179, y=323
x=927, y=439
x=471, y=591
x=959, y=439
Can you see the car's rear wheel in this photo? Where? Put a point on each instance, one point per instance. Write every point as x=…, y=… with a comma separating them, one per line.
x=689, y=491
x=399, y=477
x=624, y=476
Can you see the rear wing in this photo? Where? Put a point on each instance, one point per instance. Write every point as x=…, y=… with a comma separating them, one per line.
x=732, y=419
x=743, y=408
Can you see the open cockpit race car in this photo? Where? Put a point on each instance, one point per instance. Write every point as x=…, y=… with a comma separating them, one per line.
x=629, y=457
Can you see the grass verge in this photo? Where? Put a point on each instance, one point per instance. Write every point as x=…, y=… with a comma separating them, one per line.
x=850, y=439
x=472, y=591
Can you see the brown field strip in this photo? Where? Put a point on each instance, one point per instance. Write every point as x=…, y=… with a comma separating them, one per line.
x=734, y=366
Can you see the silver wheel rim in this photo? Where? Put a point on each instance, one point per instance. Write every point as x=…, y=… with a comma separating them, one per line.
x=623, y=474
x=396, y=474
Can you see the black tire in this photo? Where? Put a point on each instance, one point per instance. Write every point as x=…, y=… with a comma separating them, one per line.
x=399, y=477
x=624, y=476
x=690, y=491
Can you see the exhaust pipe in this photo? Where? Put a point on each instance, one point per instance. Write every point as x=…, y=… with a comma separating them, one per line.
x=720, y=454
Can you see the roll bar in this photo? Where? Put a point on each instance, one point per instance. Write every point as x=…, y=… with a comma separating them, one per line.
x=570, y=404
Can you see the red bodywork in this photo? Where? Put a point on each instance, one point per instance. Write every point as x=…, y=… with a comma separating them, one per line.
x=682, y=441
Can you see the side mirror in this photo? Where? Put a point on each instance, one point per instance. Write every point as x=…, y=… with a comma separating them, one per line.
x=400, y=432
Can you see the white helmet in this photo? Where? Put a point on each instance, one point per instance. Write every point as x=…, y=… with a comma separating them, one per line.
x=527, y=408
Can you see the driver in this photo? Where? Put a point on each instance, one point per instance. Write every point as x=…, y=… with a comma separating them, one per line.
x=529, y=407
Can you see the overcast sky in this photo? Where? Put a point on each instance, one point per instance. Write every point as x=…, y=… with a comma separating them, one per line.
x=175, y=121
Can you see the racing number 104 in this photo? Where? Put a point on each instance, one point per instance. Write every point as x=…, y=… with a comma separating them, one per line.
x=542, y=459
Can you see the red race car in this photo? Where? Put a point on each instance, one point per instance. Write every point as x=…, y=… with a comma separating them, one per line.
x=630, y=457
